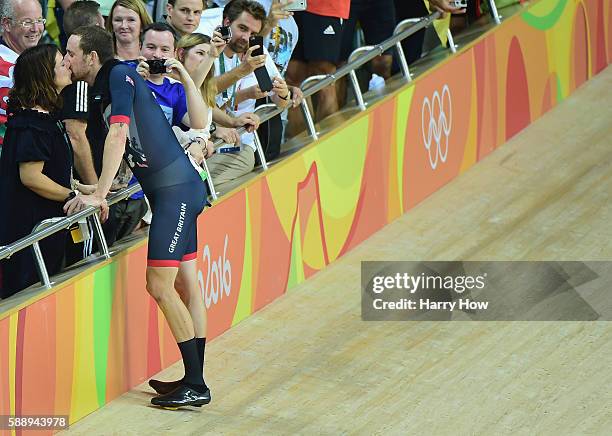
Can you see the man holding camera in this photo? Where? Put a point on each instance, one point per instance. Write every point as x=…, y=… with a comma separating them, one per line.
x=158, y=45
x=157, y=56
x=238, y=85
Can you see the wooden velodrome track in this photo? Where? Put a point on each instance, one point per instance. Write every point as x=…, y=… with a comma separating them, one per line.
x=307, y=364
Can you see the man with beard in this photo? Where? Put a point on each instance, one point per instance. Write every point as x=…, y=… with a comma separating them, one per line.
x=238, y=88
x=171, y=180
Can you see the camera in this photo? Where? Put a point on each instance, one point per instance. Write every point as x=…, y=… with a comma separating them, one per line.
x=226, y=32
x=156, y=66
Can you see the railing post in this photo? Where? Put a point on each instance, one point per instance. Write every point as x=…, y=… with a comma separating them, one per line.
x=357, y=90
x=209, y=180
x=403, y=62
x=100, y=238
x=309, y=121
x=262, y=109
x=493, y=9
x=354, y=55
x=260, y=151
x=40, y=266
x=305, y=109
x=398, y=46
x=451, y=41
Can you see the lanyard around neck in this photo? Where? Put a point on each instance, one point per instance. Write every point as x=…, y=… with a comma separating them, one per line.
x=222, y=70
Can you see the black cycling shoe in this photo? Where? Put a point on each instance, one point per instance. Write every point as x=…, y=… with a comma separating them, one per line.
x=183, y=395
x=162, y=387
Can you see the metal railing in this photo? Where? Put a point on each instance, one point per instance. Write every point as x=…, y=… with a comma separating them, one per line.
x=309, y=87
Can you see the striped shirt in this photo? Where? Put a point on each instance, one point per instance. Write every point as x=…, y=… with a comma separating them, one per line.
x=75, y=99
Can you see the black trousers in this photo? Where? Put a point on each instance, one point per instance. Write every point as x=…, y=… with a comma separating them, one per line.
x=413, y=45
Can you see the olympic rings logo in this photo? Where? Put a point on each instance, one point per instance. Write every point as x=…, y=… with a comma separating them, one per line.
x=436, y=123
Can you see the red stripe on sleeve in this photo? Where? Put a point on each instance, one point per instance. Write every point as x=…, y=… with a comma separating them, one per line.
x=119, y=119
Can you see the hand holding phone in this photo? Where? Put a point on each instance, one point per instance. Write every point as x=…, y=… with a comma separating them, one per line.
x=261, y=73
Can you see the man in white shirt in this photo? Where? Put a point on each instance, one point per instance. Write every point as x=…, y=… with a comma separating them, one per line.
x=237, y=85
x=280, y=31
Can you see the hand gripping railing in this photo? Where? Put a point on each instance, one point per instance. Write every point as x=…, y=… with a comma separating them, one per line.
x=310, y=86
x=54, y=225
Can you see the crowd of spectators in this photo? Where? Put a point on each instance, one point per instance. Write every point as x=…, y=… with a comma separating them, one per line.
x=207, y=88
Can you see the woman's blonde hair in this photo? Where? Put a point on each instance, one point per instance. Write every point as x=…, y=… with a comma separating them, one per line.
x=137, y=6
x=189, y=41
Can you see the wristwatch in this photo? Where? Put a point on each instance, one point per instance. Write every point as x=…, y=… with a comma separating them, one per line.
x=71, y=195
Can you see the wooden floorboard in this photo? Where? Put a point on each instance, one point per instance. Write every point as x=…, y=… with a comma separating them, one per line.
x=307, y=364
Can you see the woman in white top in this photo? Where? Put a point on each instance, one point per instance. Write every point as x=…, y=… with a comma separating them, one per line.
x=197, y=52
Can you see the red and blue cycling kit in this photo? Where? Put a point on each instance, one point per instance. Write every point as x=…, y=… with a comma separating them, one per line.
x=174, y=188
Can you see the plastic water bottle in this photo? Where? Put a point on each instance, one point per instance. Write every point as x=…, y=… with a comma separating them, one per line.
x=376, y=82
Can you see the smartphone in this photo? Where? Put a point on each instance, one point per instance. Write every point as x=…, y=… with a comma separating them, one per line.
x=156, y=66
x=461, y=4
x=228, y=149
x=261, y=73
x=256, y=40
x=226, y=32
x=296, y=6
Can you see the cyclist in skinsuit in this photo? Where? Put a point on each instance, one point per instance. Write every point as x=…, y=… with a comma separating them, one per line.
x=139, y=133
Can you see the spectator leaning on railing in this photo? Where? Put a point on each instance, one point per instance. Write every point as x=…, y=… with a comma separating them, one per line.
x=36, y=165
x=238, y=88
x=22, y=26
